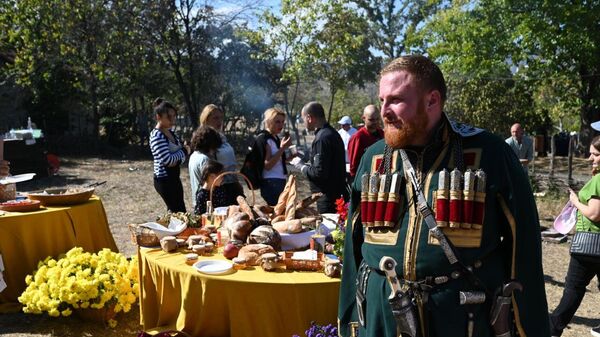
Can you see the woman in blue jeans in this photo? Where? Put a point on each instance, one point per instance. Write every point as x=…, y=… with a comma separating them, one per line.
x=275, y=172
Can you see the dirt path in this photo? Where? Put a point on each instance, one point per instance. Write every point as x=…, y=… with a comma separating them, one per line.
x=129, y=197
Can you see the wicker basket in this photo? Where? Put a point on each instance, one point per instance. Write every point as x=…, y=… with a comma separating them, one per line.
x=143, y=236
x=220, y=176
x=306, y=265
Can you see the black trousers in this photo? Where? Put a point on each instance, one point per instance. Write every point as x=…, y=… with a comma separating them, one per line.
x=580, y=273
x=170, y=190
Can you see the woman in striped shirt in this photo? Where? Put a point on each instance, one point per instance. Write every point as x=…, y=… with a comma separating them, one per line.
x=168, y=152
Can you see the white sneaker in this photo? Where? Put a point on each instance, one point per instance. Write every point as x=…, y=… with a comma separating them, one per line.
x=595, y=331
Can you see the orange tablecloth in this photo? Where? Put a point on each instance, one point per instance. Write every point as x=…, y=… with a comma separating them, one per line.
x=27, y=238
x=244, y=303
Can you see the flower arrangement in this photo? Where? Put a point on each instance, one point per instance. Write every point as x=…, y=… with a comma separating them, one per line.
x=339, y=233
x=82, y=280
x=316, y=330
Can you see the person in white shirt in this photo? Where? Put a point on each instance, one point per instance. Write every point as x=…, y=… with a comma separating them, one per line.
x=346, y=131
x=274, y=172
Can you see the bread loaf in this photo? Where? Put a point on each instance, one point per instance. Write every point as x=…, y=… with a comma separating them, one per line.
x=240, y=229
x=235, y=218
x=252, y=253
x=233, y=209
x=267, y=235
x=290, y=206
x=244, y=207
x=282, y=200
x=288, y=226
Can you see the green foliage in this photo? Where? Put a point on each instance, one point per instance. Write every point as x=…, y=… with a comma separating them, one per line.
x=560, y=43
x=393, y=26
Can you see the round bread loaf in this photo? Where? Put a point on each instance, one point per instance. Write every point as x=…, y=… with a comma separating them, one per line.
x=253, y=253
x=267, y=235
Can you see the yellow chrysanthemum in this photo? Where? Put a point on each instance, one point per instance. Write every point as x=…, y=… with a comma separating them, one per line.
x=80, y=279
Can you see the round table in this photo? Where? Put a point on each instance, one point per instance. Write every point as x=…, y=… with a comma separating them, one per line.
x=249, y=302
x=27, y=238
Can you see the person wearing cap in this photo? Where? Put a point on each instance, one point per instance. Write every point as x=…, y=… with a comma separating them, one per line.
x=521, y=145
x=346, y=131
x=364, y=137
x=325, y=172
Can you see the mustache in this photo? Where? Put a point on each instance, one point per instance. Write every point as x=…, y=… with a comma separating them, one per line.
x=392, y=121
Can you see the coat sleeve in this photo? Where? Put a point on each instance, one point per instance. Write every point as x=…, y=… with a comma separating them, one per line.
x=523, y=246
x=352, y=258
x=321, y=163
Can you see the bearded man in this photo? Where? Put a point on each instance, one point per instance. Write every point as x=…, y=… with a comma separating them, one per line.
x=443, y=236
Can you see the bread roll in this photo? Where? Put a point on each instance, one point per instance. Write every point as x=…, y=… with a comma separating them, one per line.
x=252, y=253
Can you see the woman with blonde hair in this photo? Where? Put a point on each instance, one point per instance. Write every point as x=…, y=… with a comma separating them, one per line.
x=274, y=173
x=213, y=116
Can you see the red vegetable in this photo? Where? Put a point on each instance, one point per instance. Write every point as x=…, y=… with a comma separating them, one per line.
x=230, y=250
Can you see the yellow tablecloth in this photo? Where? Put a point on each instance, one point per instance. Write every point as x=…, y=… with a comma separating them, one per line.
x=244, y=303
x=27, y=238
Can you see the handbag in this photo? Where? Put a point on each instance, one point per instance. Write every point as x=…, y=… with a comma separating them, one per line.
x=586, y=244
x=566, y=220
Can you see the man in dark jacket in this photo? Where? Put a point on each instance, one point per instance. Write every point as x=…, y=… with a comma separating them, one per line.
x=326, y=172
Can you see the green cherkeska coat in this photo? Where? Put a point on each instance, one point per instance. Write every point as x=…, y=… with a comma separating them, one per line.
x=508, y=244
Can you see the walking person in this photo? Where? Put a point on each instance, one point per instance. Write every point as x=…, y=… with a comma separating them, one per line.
x=583, y=264
x=169, y=153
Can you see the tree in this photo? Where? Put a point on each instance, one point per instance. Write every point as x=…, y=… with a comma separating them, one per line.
x=560, y=40
x=339, y=52
x=393, y=24
x=474, y=45
x=282, y=40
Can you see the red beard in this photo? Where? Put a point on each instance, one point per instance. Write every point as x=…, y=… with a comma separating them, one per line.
x=399, y=138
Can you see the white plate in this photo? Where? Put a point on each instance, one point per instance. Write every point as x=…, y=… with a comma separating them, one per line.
x=213, y=267
x=17, y=179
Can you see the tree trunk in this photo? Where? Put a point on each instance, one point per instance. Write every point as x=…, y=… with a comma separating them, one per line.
x=333, y=91
x=291, y=109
